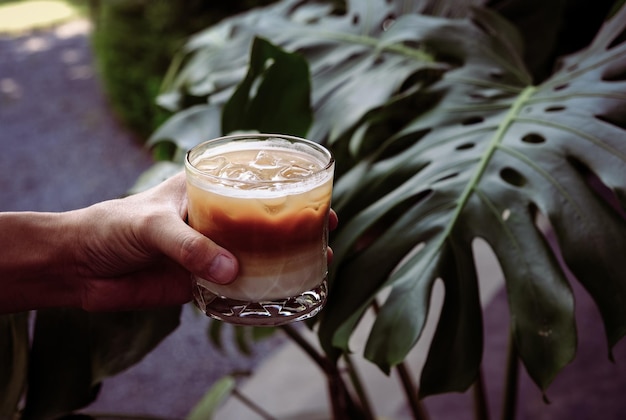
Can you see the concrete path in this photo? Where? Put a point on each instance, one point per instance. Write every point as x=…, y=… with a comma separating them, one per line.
x=61, y=149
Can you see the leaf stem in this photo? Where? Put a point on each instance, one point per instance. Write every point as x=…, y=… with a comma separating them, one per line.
x=481, y=408
x=306, y=346
x=106, y=416
x=252, y=405
x=417, y=54
x=408, y=384
x=509, y=405
x=410, y=390
x=359, y=388
x=493, y=145
x=343, y=406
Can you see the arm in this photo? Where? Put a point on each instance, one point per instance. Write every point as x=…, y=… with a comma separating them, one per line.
x=134, y=252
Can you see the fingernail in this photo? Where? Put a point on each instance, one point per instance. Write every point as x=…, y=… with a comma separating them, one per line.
x=223, y=269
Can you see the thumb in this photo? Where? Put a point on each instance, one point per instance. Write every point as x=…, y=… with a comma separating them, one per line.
x=197, y=253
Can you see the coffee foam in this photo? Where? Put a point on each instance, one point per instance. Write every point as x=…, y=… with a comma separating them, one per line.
x=259, y=169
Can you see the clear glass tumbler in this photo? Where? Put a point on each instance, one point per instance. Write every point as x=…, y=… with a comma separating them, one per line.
x=266, y=198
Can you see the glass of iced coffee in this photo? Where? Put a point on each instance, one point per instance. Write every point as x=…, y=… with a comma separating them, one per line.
x=266, y=198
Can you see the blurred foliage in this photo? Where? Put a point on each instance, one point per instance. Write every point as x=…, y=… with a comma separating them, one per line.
x=134, y=42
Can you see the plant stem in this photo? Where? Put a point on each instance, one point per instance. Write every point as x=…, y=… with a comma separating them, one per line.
x=121, y=416
x=252, y=405
x=343, y=406
x=481, y=408
x=320, y=360
x=408, y=384
x=509, y=405
x=358, y=388
x=417, y=409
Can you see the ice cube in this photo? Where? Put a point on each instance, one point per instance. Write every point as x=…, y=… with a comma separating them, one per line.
x=212, y=165
x=239, y=172
x=264, y=160
x=294, y=172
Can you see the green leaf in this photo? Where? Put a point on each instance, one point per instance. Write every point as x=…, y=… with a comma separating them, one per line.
x=189, y=127
x=338, y=48
x=157, y=173
x=14, y=346
x=59, y=350
x=120, y=340
x=497, y=153
x=441, y=137
x=214, y=333
x=83, y=349
x=273, y=97
x=244, y=337
x=206, y=408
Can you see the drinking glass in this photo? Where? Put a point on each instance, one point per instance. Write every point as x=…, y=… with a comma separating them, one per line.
x=266, y=198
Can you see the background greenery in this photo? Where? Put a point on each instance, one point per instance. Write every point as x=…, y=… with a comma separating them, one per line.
x=449, y=124
x=134, y=42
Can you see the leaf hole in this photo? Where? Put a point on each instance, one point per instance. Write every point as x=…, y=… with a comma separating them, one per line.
x=465, y=146
x=446, y=177
x=618, y=39
x=472, y=120
x=555, y=108
x=594, y=182
x=477, y=95
x=411, y=43
x=485, y=29
x=615, y=71
x=389, y=21
x=512, y=177
x=534, y=138
x=561, y=87
x=618, y=119
x=356, y=19
x=401, y=144
x=497, y=74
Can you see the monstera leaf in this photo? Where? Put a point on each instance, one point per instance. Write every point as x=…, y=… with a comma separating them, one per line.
x=441, y=138
x=13, y=361
x=495, y=154
x=345, y=52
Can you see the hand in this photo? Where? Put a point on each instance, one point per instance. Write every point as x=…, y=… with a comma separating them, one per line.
x=131, y=253
x=138, y=251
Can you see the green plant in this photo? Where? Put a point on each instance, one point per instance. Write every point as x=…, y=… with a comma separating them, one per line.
x=444, y=131
x=134, y=42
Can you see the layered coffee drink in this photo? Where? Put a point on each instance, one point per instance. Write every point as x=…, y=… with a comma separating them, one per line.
x=266, y=199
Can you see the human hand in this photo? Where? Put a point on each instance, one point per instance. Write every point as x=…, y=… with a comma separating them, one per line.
x=138, y=251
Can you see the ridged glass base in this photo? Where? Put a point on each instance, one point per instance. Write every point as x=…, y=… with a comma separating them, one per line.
x=265, y=313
